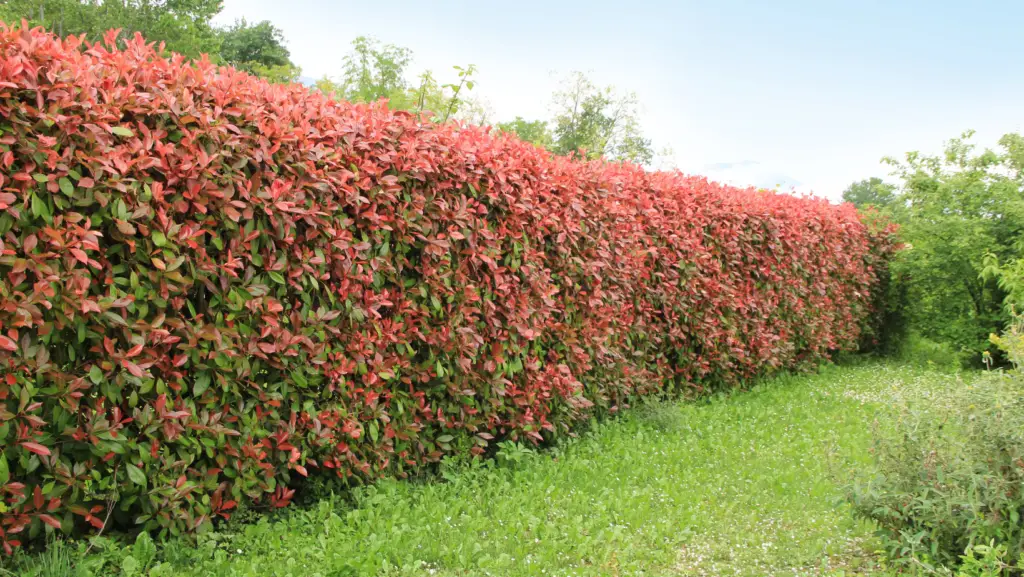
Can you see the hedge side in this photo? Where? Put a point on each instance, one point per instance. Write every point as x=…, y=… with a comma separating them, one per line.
x=212, y=287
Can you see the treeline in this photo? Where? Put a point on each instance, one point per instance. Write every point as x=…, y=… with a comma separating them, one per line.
x=587, y=120
x=184, y=26
x=960, y=277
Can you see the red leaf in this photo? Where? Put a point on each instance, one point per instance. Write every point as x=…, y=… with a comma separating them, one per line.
x=132, y=367
x=36, y=448
x=49, y=520
x=7, y=344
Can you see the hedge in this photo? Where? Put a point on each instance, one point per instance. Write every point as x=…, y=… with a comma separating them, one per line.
x=213, y=287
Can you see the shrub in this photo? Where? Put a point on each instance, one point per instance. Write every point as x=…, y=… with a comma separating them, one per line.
x=213, y=287
x=949, y=483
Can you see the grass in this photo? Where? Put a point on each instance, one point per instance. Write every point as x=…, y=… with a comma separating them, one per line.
x=748, y=484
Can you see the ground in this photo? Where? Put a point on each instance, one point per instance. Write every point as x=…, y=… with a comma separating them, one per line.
x=746, y=484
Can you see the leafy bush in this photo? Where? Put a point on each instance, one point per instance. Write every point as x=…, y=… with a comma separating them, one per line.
x=950, y=485
x=960, y=216
x=917, y=350
x=213, y=287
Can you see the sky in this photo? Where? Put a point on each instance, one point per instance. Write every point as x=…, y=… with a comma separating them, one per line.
x=805, y=94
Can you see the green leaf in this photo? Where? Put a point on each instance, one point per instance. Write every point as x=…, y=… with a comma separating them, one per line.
x=144, y=550
x=373, y=431
x=65, y=186
x=39, y=208
x=158, y=238
x=115, y=318
x=276, y=276
x=95, y=375
x=122, y=131
x=202, y=383
x=5, y=471
x=136, y=475
x=40, y=177
x=130, y=567
x=445, y=439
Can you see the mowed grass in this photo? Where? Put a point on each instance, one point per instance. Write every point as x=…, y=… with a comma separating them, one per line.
x=749, y=484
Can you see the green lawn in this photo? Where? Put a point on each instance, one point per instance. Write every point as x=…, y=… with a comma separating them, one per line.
x=745, y=485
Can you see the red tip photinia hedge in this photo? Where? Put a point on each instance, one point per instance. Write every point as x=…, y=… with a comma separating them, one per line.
x=212, y=287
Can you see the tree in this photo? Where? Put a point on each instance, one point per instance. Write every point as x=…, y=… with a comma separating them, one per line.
x=183, y=25
x=870, y=192
x=536, y=131
x=373, y=71
x=960, y=214
x=258, y=49
x=592, y=122
x=447, y=101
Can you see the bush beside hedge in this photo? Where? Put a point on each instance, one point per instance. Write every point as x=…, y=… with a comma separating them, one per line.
x=213, y=287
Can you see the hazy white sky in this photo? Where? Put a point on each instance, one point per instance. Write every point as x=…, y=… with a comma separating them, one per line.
x=807, y=92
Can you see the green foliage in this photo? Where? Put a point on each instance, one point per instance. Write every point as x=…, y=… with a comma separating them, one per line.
x=374, y=71
x=987, y=561
x=258, y=49
x=886, y=328
x=870, y=192
x=57, y=560
x=591, y=122
x=183, y=25
x=961, y=216
x=950, y=476
x=923, y=352
x=741, y=485
x=534, y=132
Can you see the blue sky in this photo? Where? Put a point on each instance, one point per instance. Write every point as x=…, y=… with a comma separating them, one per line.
x=792, y=92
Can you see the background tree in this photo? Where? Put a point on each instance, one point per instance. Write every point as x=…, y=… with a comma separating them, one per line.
x=593, y=122
x=536, y=131
x=373, y=71
x=870, y=192
x=183, y=25
x=961, y=214
x=259, y=49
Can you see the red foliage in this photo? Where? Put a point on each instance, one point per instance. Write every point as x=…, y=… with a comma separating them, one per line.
x=212, y=287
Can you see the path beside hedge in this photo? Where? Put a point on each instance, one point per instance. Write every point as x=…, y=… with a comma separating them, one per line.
x=742, y=486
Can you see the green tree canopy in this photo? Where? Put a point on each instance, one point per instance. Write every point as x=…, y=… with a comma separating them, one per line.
x=373, y=71
x=591, y=122
x=259, y=49
x=535, y=131
x=183, y=25
x=870, y=192
x=960, y=214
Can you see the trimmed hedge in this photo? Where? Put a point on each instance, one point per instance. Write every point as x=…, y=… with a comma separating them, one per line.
x=212, y=287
